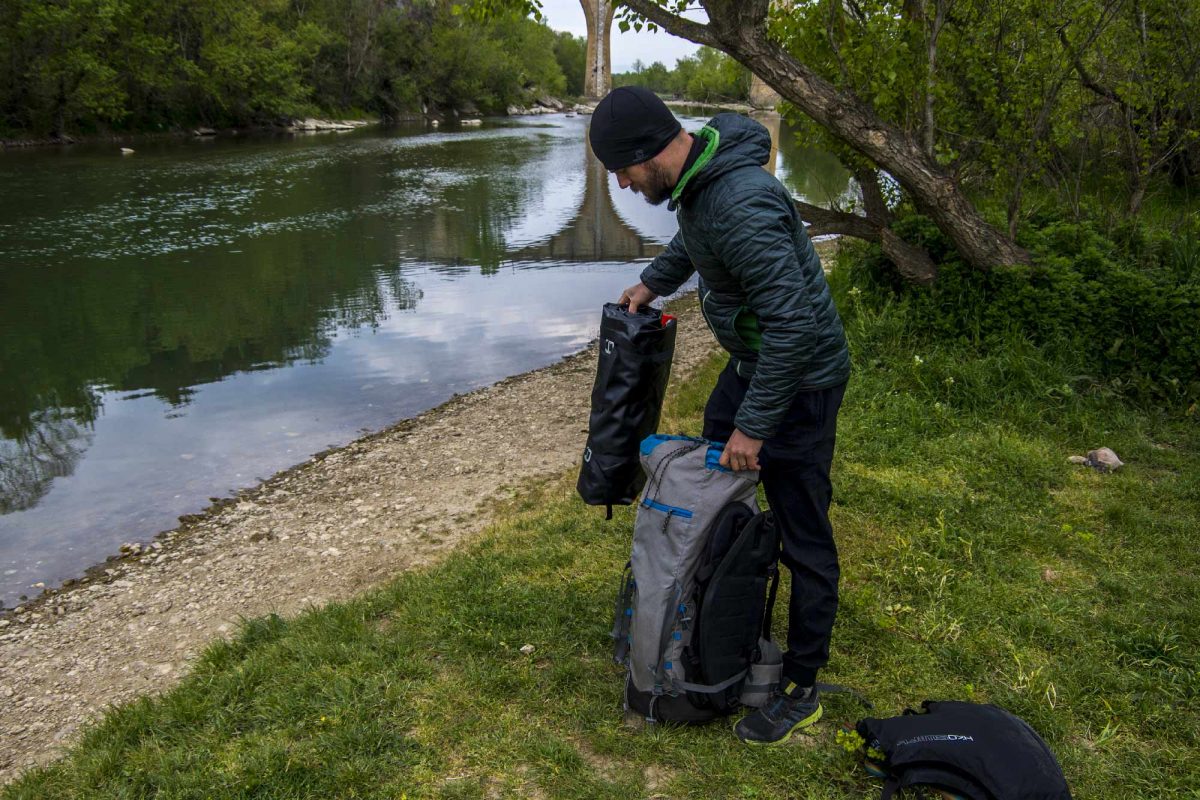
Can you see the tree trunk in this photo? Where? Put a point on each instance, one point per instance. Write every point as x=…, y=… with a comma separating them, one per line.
x=738, y=27
x=873, y=202
x=934, y=30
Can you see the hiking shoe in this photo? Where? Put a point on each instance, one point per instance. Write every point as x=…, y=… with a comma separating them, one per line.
x=790, y=709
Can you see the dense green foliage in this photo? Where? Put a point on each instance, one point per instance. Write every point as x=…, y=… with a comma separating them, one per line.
x=1124, y=301
x=571, y=53
x=1072, y=98
x=81, y=65
x=1079, y=124
x=977, y=564
x=708, y=76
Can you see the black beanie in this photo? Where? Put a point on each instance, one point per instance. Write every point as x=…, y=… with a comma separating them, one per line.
x=631, y=125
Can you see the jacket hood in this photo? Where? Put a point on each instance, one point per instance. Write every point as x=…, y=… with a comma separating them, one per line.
x=743, y=143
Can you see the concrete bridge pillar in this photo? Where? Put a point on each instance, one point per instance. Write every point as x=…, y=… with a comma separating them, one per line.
x=761, y=95
x=771, y=121
x=597, y=80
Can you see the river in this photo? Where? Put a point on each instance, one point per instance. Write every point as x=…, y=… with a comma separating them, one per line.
x=181, y=322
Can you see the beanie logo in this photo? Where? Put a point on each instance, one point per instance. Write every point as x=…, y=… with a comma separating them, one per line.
x=640, y=154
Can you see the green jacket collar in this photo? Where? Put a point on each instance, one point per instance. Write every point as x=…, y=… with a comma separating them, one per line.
x=713, y=139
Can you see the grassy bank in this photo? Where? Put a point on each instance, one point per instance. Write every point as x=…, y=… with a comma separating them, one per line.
x=977, y=564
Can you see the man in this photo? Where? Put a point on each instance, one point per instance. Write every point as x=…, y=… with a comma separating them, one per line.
x=763, y=294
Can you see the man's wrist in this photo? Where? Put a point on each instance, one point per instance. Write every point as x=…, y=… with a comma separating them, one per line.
x=751, y=432
x=653, y=285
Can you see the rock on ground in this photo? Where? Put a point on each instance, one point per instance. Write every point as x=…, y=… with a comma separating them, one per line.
x=1102, y=459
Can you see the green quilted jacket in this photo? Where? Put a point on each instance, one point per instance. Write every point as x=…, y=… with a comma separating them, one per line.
x=762, y=288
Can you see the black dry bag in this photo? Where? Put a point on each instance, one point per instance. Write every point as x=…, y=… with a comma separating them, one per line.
x=631, y=380
x=975, y=751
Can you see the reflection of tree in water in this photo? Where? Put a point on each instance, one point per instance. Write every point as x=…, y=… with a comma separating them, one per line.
x=815, y=176
x=468, y=220
x=73, y=333
x=50, y=449
x=158, y=334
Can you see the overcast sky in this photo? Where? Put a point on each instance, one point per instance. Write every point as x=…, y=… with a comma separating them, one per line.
x=567, y=15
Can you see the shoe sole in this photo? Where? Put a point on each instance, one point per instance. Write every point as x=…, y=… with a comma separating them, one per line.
x=798, y=727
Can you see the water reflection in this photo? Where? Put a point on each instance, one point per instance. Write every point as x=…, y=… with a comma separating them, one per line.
x=50, y=449
x=180, y=323
x=568, y=217
x=814, y=176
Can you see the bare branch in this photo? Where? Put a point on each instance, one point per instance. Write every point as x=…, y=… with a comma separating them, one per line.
x=673, y=23
x=1076, y=55
x=832, y=29
x=823, y=221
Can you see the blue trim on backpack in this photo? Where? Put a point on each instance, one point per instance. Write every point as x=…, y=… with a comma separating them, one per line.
x=712, y=459
x=675, y=511
x=655, y=439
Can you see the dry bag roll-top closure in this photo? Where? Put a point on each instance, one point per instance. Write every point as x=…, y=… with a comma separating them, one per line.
x=631, y=381
x=692, y=621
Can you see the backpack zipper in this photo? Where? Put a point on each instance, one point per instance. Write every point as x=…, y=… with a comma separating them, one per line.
x=671, y=511
x=704, y=313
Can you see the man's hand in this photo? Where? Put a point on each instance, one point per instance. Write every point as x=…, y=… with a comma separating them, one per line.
x=741, y=452
x=637, y=295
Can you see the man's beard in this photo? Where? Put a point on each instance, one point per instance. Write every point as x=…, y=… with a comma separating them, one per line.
x=658, y=185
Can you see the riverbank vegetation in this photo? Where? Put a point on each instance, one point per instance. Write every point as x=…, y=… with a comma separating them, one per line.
x=84, y=66
x=978, y=564
x=1123, y=298
x=708, y=76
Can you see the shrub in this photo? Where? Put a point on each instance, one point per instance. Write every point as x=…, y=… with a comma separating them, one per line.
x=1126, y=302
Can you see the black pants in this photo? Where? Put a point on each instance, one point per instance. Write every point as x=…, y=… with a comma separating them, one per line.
x=795, y=466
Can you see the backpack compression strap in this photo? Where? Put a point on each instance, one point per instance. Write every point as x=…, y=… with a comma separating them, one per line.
x=701, y=688
x=833, y=688
x=622, y=616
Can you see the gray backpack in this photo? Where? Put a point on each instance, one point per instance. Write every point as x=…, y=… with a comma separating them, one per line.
x=692, y=619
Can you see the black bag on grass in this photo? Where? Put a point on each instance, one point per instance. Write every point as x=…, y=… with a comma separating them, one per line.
x=974, y=751
x=631, y=381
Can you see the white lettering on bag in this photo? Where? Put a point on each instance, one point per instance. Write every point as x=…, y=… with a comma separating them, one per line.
x=937, y=737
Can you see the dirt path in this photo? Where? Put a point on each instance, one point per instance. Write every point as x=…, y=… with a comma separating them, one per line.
x=328, y=529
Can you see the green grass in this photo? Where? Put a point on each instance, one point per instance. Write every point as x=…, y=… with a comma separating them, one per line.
x=977, y=564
